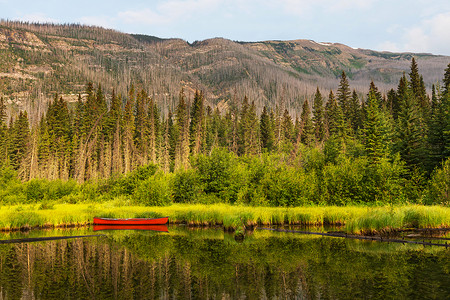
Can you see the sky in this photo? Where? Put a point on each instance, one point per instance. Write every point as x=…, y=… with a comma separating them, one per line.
x=386, y=25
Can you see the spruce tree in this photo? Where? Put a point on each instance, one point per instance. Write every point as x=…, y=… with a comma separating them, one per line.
x=3, y=134
x=376, y=132
x=410, y=131
x=418, y=87
x=197, y=123
x=267, y=135
x=318, y=116
x=343, y=96
x=307, y=126
x=287, y=127
x=334, y=117
x=437, y=140
x=182, y=133
x=355, y=112
x=19, y=138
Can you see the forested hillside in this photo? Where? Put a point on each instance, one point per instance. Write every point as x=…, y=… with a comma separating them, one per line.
x=39, y=60
x=343, y=148
x=268, y=123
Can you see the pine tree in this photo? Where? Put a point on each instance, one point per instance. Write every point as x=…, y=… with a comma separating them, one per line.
x=197, y=123
x=343, y=96
x=376, y=131
x=318, y=116
x=410, y=131
x=418, y=88
x=128, y=142
x=334, y=117
x=266, y=130
x=3, y=134
x=182, y=133
x=287, y=127
x=248, y=129
x=355, y=112
x=437, y=141
x=78, y=118
x=307, y=126
x=19, y=137
x=2, y=111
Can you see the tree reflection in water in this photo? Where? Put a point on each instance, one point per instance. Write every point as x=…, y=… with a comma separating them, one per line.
x=140, y=266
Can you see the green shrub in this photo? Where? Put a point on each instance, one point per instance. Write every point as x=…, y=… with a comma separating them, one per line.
x=186, y=187
x=438, y=191
x=218, y=174
x=36, y=190
x=154, y=191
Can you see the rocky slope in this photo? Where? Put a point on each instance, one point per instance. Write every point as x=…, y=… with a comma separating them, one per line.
x=38, y=60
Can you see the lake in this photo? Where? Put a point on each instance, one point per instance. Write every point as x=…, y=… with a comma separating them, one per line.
x=198, y=263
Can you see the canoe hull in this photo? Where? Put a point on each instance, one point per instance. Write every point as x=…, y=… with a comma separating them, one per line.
x=134, y=221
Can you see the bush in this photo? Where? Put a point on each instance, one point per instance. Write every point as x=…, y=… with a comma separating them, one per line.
x=154, y=191
x=218, y=174
x=186, y=187
x=438, y=191
x=126, y=184
x=36, y=190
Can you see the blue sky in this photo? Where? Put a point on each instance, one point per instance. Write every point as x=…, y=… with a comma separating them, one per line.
x=395, y=25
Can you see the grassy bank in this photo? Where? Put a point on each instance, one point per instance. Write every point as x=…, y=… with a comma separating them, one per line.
x=356, y=219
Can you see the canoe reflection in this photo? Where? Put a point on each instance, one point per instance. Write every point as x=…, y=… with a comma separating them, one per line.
x=161, y=228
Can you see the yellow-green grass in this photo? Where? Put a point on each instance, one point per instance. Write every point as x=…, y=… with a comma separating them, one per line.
x=357, y=219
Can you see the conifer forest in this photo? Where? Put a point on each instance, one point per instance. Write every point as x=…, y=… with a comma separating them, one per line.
x=343, y=147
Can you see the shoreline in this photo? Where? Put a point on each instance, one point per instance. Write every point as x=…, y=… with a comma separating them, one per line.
x=365, y=220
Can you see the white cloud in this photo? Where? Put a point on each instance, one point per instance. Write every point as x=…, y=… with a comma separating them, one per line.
x=101, y=21
x=169, y=11
x=38, y=18
x=304, y=7
x=430, y=35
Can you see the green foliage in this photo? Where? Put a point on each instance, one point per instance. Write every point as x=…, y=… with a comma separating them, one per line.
x=217, y=174
x=186, y=187
x=125, y=185
x=153, y=191
x=37, y=190
x=285, y=186
x=439, y=186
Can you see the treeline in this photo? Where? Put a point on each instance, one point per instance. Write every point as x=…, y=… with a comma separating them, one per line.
x=342, y=148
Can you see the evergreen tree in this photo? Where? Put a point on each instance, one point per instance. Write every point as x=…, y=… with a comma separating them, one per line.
x=287, y=127
x=248, y=129
x=266, y=130
x=2, y=111
x=410, y=131
x=181, y=133
x=78, y=118
x=19, y=137
x=196, y=127
x=318, y=116
x=437, y=140
x=128, y=142
x=355, y=112
x=418, y=88
x=343, y=96
x=307, y=126
x=376, y=131
x=334, y=117
x=3, y=134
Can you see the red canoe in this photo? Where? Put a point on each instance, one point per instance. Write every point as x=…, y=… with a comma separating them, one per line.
x=135, y=221
x=160, y=228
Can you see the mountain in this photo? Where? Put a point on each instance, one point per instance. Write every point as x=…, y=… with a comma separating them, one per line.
x=39, y=60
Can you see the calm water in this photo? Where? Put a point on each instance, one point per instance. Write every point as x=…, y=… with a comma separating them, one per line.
x=208, y=264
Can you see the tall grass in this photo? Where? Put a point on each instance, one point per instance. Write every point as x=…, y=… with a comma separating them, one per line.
x=356, y=219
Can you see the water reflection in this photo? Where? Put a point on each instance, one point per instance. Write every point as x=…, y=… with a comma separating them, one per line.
x=208, y=264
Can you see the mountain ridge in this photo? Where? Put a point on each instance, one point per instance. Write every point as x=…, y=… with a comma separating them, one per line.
x=38, y=60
